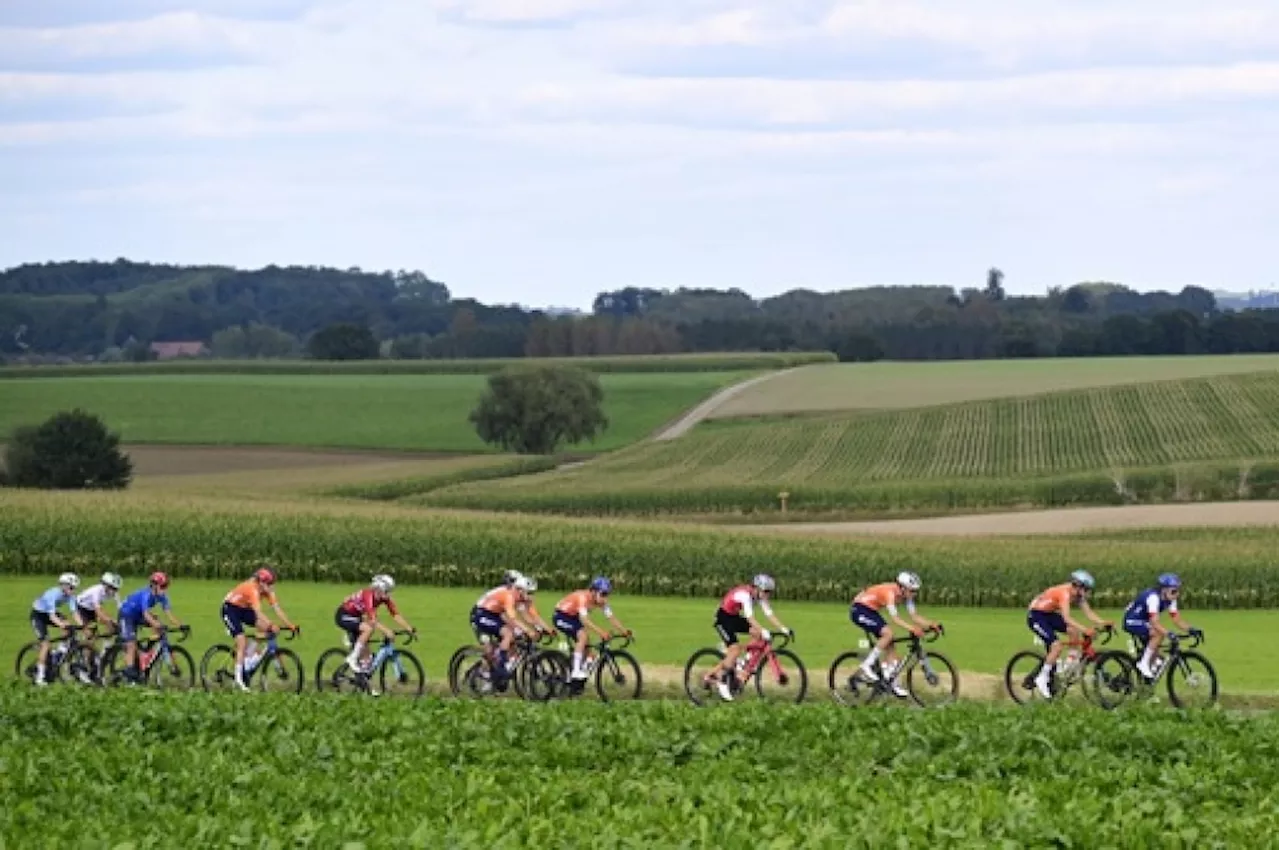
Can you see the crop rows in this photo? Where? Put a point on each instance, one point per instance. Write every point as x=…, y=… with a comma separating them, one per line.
x=1206, y=438
x=45, y=534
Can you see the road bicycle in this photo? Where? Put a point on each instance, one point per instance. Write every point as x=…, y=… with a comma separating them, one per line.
x=156, y=660
x=616, y=671
x=275, y=668
x=472, y=666
x=391, y=671
x=777, y=673
x=1107, y=678
x=1189, y=677
x=930, y=677
x=69, y=659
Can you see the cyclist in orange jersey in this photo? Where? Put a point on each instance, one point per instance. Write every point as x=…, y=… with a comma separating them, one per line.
x=865, y=613
x=498, y=614
x=571, y=615
x=242, y=608
x=1050, y=614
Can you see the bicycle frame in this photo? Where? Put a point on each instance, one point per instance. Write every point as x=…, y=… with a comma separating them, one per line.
x=269, y=654
x=761, y=651
x=1174, y=655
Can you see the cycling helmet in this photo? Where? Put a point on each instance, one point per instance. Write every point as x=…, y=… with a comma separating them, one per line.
x=510, y=577
x=1082, y=578
x=159, y=579
x=910, y=581
x=112, y=581
x=1170, y=580
x=764, y=581
x=600, y=584
x=383, y=583
x=526, y=584
x=265, y=576
x=70, y=580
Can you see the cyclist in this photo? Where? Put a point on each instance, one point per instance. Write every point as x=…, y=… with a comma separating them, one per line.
x=1142, y=619
x=571, y=615
x=135, y=611
x=242, y=608
x=735, y=617
x=500, y=612
x=865, y=613
x=1050, y=615
x=90, y=604
x=358, y=617
x=44, y=613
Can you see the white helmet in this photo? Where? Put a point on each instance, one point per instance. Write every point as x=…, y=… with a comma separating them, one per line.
x=510, y=577
x=910, y=581
x=526, y=584
x=71, y=580
x=383, y=583
x=112, y=580
x=764, y=581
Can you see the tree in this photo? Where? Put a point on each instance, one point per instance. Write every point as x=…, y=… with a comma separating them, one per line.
x=69, y=451
x=859, y=347
x=343, y=341
x=533, y=409
x=995, y=284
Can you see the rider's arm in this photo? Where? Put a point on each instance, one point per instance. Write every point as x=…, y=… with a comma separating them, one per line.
x=1089, y=612
x=403, y=623
x=284, y=618
x=617, y=624
x=586, y=621
x=893, y=615
x=1179, y=622
x=168, y=612
x=537, y=620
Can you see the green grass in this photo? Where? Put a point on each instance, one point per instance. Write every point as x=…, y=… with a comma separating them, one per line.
x=668, y=630
x=412, y=412
x=1057, y=448
x=125, y=769
x=895, y=385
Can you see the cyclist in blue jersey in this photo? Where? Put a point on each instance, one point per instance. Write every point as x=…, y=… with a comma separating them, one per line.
x=136, y=611
x=44, y=613
x=1142, y=619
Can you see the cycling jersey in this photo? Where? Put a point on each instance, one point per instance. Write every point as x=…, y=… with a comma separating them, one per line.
x=247, y=594
x=497, y=601
x=363, y=602
x=1055, y=600
x=579, y=602
x=886, y=596
x=97, y=596
x=1148, y=604
x=48, y=602
x=737, y=602
x=140, y=602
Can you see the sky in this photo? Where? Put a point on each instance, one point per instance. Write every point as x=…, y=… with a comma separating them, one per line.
x=540, y=151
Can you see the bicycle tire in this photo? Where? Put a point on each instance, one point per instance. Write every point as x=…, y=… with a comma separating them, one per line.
x=113, y=665
x=695, y=690
x=340, y=678
x=620, y=664
x=176, y=678
x=1196, y=658
x=1019, y=686
x=222, y=676
x=542, y=675
x=24, y=666
x=845, y=686
x=412, y=670
x=455, y=663
x=1109, y=690
x=282, y=666
x=764, y=668
x=916, y=672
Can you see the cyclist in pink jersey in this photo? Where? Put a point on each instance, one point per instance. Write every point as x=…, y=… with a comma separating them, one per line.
x=735, y=617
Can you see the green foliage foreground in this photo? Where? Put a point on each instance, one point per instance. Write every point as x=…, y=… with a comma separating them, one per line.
x=207, y=771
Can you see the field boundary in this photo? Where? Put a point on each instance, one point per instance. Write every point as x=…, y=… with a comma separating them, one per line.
x=706, y=407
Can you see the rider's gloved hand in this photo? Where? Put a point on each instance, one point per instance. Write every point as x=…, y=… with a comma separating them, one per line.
x=1196, y=633
x=764, y=635
x=791, y=633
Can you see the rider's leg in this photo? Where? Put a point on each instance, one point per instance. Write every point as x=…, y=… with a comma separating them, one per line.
x=358, y=652
x=884, y=645
x=1156, y=634
x=240, y=640
x=579, y=650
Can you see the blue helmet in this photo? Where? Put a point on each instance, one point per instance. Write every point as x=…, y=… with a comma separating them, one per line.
x=1169, y=580
x=600, y=584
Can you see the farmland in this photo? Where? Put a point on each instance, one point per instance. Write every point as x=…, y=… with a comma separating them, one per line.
x=1165, y=440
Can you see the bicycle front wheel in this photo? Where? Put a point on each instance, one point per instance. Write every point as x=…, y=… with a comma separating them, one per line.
x=218, y=668
x=695, y=674
x=543, y=675
x=25, y=666
x=175, y=673
x=401, y=676
x=782, y=678
x=281, y=672
x=1110, y=679
x=1192, y=681
x=933, y=681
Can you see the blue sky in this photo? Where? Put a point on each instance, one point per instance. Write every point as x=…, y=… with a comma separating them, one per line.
x=539, y=151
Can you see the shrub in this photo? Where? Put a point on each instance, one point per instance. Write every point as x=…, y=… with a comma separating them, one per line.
x=69, y=451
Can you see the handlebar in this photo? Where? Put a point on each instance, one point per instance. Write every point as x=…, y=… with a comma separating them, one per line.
x=409, y=637
x=609, y=642
x=778, y=640
x=184, y=630
x=292, y=633
x=1196, y=636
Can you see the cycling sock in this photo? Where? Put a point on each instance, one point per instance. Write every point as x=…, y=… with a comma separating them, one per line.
x=871, y=658
x=39, y=671
x=239, y=672
x=1146, y=657
x=577, y=665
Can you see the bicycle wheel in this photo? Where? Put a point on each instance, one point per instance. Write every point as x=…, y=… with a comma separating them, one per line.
x=695, y=672
x=543, y=675
x=281, y=672
x=1110, y=679
x=933, y=681
x=618, y=677
x=1192, y=681
x=846, y=686
x=1020, y=676
x=176, y=673
x=782, y=680
x=402, y=676
x=333, y=675
x=218, y=668
x=455, y=663
x=475, y=676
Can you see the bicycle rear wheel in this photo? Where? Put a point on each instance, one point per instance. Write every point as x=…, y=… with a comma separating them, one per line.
x=695, y=671
x=281, y=672
x=847, y=687
x=1110, y=679
x=618, y=677
x=334, y=675
x=1192, y=681
x=543, y=676
x=785, y=681
x=933, y=681
x=402, y=676
x=1020, y=676
x=218, y=668
x=175, y=673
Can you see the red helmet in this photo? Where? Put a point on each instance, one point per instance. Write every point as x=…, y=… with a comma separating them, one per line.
x=160, y=579
x=265, y=576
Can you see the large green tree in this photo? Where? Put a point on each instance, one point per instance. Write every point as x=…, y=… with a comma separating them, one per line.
x=536, y=409
x=72, y=450
x=343, y=341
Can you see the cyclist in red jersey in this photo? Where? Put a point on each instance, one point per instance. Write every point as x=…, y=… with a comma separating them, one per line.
x=358, y=617
x=734, y=617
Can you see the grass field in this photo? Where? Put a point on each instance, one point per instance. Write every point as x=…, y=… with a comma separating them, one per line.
x=412, y=412
x=925, y=455
x=142, y=770
x=896, y=385
x=668, y=630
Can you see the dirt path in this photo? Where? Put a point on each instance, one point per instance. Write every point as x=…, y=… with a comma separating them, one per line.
x=682, y=425
x=1062, y=520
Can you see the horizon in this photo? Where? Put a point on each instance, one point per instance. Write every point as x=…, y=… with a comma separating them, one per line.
x=569, y=147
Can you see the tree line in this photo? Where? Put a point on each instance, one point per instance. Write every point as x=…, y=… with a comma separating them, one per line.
x=113, y=310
